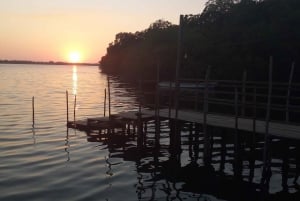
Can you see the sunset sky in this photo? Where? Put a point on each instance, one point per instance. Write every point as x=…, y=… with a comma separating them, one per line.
x=61, y=30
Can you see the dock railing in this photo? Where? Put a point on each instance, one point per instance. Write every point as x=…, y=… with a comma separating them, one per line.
x=252, y=98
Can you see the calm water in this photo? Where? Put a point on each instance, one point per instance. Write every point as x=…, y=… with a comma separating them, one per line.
x=51, y=162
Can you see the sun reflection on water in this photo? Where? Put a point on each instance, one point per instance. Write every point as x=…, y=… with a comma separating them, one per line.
x=75, y=79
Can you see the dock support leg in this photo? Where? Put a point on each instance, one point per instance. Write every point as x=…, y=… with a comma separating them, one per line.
x=252, y=157
x=285, y=166
x=157, y=132
x=175, y=141
x=197, y=141
x=191, y=142
x=140, y=138
x=207, y=146
x=223, y=151
x=266, y=172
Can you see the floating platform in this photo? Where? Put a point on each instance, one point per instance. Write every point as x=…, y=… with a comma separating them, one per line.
x=98, y=123
x=116, y=121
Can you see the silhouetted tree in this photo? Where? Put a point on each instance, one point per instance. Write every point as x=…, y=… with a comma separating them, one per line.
x=229, y=36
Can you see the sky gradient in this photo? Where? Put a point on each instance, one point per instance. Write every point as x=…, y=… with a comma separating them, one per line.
x=49, y=30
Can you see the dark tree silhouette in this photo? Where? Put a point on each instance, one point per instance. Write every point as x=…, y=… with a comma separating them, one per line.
x=229, y=36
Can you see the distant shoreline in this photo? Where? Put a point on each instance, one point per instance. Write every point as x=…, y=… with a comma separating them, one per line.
x=47, y=63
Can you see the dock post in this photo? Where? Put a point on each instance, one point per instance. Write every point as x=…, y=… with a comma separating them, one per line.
x=223, y=150
x=170, y=98
x=237, y=146
x=266, y=173
x=207, y=145
x=287, y=112
x=104, y=107
x=140, y=135
x=109, y=104
x=244, y=92
x=253, y=140
x=67, y=103
x=33, y=118
x=178, y=65
x=285, y=165
x=140, y=96
x=75, y=103
x=157, y=118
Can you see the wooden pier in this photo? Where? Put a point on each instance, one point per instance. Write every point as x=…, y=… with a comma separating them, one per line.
x=123, y=119
x=262, y=109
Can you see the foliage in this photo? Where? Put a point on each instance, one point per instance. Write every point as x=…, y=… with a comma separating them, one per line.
x=229, y=36
x=133, y=55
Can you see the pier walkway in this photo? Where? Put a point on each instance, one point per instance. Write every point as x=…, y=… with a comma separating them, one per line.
x=278, y=129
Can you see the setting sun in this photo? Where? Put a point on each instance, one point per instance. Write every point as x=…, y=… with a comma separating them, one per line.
x=74, y=57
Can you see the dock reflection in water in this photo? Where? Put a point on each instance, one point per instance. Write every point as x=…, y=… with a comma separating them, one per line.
x=164, y=173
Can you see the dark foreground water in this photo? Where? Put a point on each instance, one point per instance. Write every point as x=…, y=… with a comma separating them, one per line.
x=51, y=162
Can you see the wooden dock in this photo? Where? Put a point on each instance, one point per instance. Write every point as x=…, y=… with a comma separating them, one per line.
x=278, y=129
x=265, y=110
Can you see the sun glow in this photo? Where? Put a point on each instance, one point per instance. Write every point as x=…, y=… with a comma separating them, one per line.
x=74, y=57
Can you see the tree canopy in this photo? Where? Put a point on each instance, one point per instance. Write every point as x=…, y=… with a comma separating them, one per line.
x=229, y=35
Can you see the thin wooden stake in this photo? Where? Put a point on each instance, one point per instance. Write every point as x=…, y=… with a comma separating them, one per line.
x=75, y=108
x=67, y=103
x=33, y=112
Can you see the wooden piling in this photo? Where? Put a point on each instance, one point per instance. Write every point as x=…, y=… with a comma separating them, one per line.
x=104, y=107
x=109, y=104
x=287, y=112
x=140, y=137
x=178, y=65
x=75, y=103
x=237, y=160
x=266, y=152
x=33, y=118
x=67, y=103
x=140, y=132
x=140, y=96
x=157, y=118
x=253, y=139
x=170, y=98
x=207, y=145
x=254, y=110
x=244, y=93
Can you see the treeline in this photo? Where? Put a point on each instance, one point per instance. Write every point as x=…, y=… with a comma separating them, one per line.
x=229, y=35
x=44, y=62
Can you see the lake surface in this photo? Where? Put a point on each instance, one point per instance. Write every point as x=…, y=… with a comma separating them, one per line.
x=51, y=162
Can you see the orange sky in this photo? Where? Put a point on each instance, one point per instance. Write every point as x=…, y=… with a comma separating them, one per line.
x=46, y=30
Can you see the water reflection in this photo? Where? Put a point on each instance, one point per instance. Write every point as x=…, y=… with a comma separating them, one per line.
x=33, y=136
x=67, y=146
x=75, y=80
x=163, y=173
